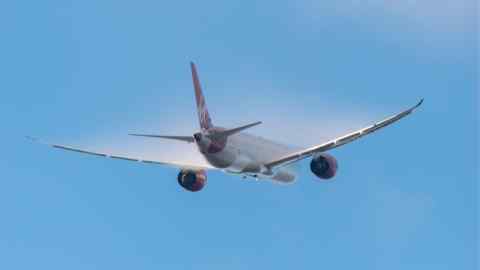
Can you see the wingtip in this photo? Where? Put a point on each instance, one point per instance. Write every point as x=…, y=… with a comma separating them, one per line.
x=419, y=103
x=135, y=135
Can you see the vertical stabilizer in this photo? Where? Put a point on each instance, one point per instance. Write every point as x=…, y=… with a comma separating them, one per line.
x=203, y=115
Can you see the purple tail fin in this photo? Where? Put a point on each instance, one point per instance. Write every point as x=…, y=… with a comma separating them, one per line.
x=203, y=115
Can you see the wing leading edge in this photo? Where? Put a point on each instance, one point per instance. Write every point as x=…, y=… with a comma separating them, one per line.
x=180, y=165
x=297, y=156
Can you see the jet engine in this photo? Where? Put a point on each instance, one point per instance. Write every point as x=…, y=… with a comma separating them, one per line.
x=324, y=166
x=192, y=180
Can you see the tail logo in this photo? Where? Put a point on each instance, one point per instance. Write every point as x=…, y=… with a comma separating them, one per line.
x=205, y=120
x=203, y=115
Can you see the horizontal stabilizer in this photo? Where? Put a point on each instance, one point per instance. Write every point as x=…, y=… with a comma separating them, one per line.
x=188, y=139
x=230, y=132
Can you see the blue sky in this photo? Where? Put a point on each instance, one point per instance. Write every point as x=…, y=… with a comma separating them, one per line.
x=88, y=72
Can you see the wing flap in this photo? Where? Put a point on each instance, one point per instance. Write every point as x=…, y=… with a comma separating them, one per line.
x=294, y=157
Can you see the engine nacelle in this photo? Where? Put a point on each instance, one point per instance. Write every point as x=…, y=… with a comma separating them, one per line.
x=324, y=166
x=192, y=180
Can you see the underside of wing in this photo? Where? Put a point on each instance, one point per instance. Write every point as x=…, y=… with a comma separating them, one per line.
x=175, y=164
x=294, y=157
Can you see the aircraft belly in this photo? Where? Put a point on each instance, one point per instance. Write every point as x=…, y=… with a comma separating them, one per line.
x=223, y=159
x=244, y=164
x=246, y=154
x=284, y=177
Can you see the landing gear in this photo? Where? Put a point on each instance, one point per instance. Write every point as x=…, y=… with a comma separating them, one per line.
x=248, y=176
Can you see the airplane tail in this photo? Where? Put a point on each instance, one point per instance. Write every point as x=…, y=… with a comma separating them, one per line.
x=203, y=115
x=190, y=139
x=203, y=118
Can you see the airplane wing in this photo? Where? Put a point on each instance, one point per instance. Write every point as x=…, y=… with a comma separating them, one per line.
x=297, y=156
x=175, y=164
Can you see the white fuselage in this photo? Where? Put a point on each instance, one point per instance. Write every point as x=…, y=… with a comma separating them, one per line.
x=245, y=154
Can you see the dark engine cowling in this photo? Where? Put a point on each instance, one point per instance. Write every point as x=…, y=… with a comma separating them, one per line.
x=192, y=180
x=324, y=166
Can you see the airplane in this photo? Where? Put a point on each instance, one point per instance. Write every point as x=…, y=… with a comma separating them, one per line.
x=233, y=151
